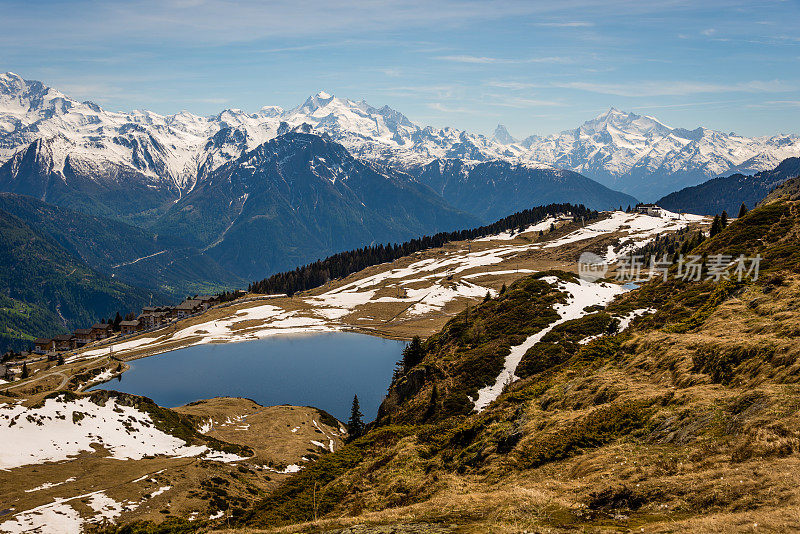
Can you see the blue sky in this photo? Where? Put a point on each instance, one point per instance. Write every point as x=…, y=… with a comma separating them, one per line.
x=535, y=66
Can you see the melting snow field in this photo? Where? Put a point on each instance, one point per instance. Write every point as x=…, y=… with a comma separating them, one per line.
x=638, y=230
x=581, y=294
x=62, y=429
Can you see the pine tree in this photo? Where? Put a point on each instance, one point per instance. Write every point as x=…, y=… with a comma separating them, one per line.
x=25, y=373
x=716, y=226
x=412, y=354
x=355, y=427
x=503, y=289
x=488, y=297
x=742, y=210
x=60, y=359
x=724, y=219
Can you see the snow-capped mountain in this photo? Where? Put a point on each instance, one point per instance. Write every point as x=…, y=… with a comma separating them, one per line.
x=642, y=156
x=625, y=151
x=299, y=197
x=502, y=136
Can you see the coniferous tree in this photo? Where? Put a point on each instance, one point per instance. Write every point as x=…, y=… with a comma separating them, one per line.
x=488, y=297
x=412, y=354
x=117, y=320
x=25, y=373
x=60, y=359
x=742, y=210
x=716, y=226
x=355, y=426
x=503, y=289
x=723, y=220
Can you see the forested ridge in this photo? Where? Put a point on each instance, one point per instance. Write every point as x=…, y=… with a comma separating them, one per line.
x=342, y=264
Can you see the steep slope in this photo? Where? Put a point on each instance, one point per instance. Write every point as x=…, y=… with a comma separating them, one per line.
x=300, y=197
x=47, y=170
x=681, y=420
x=729, y=192
x=161, y=263
x=494, y=189
x=788, y=190
x=47, y=291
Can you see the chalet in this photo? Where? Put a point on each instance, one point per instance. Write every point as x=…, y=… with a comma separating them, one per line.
x=145, y=319
x=649, y=209
x=187, y=307
x=208, y=300
x=64, y=342
x=83, y=336
x=43, y=345
x=129, y=327
x=152, y=319
x=101, y=330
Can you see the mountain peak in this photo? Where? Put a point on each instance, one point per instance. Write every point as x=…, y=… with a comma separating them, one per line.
x=625, y=121
x=502, y=136
x=11, y=82
x=317, y=101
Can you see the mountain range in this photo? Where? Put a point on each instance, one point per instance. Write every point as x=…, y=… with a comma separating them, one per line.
x=727, y=193
x=180, y=204
x=165, y=156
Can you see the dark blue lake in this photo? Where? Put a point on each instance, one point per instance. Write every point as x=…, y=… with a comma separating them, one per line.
x=321, y=370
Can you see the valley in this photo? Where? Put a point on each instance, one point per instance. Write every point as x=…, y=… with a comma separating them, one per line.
x=416, y=295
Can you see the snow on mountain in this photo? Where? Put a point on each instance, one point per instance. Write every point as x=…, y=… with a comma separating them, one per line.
x=644, y=157
x=502, y=136
x=633, y=153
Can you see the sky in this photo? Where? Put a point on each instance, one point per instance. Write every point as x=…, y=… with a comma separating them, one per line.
x=537, y=67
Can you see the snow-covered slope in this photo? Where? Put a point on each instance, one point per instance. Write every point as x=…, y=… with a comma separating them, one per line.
x=646, y=158
x=622, y=150
x=62, y=428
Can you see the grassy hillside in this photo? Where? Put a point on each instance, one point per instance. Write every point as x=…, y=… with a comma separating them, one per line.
x=789, y=190
x=44, y=290
x=686, y=421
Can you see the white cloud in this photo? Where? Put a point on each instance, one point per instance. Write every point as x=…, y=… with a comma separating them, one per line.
x=438, y=106
x=574, y=24
x=517, y=86
x=788, y=103
x=678, y=88
x=504, y=61
x=520, y=102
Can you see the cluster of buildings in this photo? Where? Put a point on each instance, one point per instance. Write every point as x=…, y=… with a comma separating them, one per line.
x=151, y=317
x=649, y=209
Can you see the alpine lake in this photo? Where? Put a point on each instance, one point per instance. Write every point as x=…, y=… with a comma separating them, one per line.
x=321, y=370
